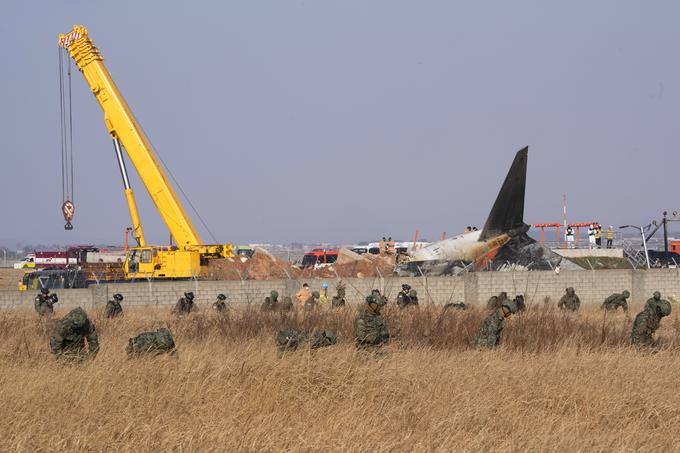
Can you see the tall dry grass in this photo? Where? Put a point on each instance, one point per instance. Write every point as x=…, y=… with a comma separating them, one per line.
x=559, y=383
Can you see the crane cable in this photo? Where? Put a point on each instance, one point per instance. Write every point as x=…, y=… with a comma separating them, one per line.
x=186, y=197
x=66, y=131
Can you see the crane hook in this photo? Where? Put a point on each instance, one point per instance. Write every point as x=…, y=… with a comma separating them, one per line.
x=68, y=210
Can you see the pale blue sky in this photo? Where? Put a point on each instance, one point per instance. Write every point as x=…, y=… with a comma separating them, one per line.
x=348, y=120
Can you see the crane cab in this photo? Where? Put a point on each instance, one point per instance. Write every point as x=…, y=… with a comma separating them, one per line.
x=161, y=262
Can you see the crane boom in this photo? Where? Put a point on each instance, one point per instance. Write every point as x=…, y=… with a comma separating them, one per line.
x=143, y=261
x=123, y=126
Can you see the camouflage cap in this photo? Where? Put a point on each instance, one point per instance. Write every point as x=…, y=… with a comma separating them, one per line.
x=189, y=295
x=375, y=291
x=274, y=294
x=625, y=293
x=657, y=295
x=511, y=305
x=77, y=317
x=331, y=335
x=118, y=296
x=315, y=294
x=405, y=286
x=44, y=290
x=221, y=297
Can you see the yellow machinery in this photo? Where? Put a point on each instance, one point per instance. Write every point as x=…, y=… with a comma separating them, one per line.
x=143, y=261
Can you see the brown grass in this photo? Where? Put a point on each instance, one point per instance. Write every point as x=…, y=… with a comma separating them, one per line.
x=559, y=382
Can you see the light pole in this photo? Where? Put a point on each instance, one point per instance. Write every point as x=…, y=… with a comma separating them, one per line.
x=644, y=241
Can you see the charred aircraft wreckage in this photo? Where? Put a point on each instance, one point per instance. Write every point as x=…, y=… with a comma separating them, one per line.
x=503, y=243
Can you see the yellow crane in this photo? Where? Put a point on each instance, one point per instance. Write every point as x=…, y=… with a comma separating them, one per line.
x=142, y=261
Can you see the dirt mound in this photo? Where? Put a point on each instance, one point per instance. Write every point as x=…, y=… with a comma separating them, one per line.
x=261, y=266
x=264, y=266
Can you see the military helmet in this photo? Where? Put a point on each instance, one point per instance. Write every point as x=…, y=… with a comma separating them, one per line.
x=405, y=286
x=511, y=305
x=331, y=336
x=45, y=291
x=370, y=299
x=189, y=295
x=625, y=293
x=221, y=297
x=657, y=295
x=118, y=297
x=663, y=307
x=274, y=294
x=375, y=291
x=315, y=294
x=77, y=316
x=570, y=290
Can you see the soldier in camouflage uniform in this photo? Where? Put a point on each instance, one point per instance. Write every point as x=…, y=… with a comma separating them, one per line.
x=152, y=343
x=185, y=305
x=369, y=328
x=287, y=304
x=69, y=335
x=616, y=300
x=489, y=335
x=648, y=320
x=313, y=302
x=291, y=340
x=44, y=302
x=339, y=299
x=113, y=307
x=570, y=301
x=404, y=298
x=271, y=303
x=220, y=306
x=455, y=306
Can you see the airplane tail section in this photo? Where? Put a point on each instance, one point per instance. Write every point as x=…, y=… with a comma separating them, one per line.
x=507, y=213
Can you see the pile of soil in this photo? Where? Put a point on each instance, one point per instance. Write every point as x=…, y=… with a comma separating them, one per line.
x=264, y=266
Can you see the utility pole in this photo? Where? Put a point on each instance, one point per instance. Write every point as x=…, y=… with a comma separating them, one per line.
x=665, y=238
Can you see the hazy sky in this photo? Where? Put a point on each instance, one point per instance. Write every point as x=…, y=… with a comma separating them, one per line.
x=348, y=120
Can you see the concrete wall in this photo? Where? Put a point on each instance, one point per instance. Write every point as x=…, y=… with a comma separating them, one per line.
x=591, y=286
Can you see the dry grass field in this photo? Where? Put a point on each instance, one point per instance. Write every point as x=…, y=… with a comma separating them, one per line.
x=558, y=383
x=10, y=278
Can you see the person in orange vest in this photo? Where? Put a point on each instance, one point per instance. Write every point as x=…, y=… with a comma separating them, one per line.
x=610, y=236
x=303, y=295
x=381, y=246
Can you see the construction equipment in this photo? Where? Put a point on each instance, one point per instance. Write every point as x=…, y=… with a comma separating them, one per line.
x=184, y=259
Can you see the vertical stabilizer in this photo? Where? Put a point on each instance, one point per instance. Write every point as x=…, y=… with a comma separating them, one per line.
x=508, y=210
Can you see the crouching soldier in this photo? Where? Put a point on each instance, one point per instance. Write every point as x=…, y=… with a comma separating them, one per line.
x=291, y=340
x=44, y=302
x=185, y=305
x=220, y=306
x=271, y=303
x=616, y=300
x=369, y=328
x=570, y=301
x=70, y=334
x=648, y=320
x=339, y=298
x=313, y=302
x=113, y=307
x=489, y=335
x=152, y=343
